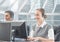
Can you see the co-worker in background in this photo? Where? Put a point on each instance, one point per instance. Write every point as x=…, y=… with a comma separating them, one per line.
x=9, y=15
x=41, y=32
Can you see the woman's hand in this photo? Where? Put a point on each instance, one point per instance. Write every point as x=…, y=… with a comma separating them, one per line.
x=33, y=38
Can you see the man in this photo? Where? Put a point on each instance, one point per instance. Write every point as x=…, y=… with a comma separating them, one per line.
x=9, y=15
x=42, y=31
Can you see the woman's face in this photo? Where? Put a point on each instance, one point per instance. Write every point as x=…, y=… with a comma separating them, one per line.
x=38, y=15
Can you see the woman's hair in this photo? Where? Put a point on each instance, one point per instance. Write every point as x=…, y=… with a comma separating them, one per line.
x=42, y=11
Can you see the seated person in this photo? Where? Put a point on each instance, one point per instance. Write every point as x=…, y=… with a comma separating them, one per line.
x=41, y=31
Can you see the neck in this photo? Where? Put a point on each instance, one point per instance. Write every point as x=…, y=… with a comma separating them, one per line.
x=39, y=22
x=9, y=20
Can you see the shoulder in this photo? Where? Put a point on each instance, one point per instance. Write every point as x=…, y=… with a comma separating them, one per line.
x=49, y=26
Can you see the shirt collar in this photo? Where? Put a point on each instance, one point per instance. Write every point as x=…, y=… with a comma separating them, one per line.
x=42, y=25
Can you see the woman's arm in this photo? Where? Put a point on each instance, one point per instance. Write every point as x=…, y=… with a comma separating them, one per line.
x=44, y=39
x=40, y=38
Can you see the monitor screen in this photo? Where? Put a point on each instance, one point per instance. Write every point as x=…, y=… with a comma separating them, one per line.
x=20, y=30
x=5, y=31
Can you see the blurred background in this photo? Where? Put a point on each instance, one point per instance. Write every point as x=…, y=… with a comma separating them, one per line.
x=24, y=10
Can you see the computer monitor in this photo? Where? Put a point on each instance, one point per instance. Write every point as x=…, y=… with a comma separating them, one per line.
x=20, y=30
x=5, y=31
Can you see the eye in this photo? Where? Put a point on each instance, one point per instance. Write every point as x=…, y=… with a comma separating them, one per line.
x=36, y=14
x=6, y=15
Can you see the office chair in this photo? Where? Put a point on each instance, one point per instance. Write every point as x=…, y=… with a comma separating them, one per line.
x=57, y=33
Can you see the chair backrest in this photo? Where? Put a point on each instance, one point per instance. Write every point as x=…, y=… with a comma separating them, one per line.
x=57, y=37
x=57, y=33
x=56, y=29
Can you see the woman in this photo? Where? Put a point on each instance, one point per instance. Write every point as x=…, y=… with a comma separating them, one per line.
x=42, y=32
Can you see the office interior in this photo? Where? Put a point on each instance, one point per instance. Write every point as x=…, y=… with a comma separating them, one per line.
x=24, y=12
